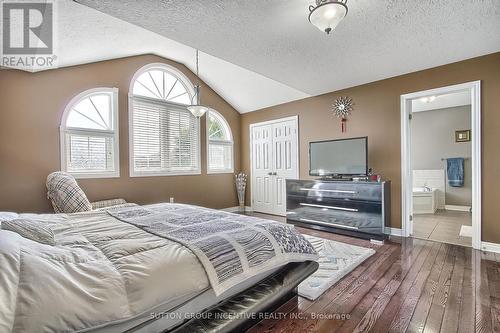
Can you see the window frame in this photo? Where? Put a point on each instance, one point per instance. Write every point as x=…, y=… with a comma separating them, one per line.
x=131, y=97
x=64, y=130
x=229, y=143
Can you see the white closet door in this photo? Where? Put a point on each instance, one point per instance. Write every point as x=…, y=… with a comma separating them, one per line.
x=284, y=161
x=274, y=159
x=262, y=169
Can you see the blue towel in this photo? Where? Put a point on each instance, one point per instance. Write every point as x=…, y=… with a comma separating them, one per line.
x=455, y=171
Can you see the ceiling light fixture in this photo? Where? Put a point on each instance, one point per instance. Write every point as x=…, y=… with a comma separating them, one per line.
x=196, y=108
x=327, y=14
x=428, y=99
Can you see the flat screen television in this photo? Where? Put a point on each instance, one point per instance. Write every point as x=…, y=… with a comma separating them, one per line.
x=347, y=157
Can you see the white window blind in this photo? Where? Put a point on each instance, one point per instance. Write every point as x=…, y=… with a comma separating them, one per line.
x=89, y=134
x=164, y=138
x=219, y=144
x=89, y=153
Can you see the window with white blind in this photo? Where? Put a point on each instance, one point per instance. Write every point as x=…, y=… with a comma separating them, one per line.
x=219, y=144
x=164, y=135
x=89, y=135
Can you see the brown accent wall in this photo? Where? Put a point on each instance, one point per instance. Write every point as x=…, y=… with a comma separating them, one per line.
x=31, y=107
x=377, y=115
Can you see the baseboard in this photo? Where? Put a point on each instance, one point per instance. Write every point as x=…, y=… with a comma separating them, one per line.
x=490, y=247
x=457, y=208
x=231, y=209
x=237, y=209
x=393, y=231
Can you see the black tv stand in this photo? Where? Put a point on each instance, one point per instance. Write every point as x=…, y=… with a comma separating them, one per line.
x=337, y=178
x=354, y=208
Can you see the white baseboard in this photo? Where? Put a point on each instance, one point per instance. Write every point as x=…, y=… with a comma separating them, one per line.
x=231, y=209
x=490, y=247
x=237, y=209
x=457, y=208
x=393, y=231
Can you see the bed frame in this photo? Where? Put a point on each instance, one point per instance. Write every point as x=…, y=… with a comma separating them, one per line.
x=244, y=308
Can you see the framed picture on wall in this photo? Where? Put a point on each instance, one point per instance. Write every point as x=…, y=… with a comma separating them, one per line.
x=462, y=136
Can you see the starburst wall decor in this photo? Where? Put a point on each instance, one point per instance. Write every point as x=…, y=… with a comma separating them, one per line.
x=342, y=107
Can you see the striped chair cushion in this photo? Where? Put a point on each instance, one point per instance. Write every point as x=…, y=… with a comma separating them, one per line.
x=65, y=194
x=36, y=231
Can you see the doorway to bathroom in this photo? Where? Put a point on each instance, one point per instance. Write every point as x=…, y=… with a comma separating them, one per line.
x=441, y=165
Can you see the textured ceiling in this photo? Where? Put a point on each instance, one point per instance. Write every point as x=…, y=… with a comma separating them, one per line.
x=85, y=35
x=377, y=39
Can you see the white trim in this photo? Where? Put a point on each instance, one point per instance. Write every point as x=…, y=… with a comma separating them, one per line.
x=273, y=121
x=458, y=208
x=63, y=130
x=236, y=209
x=231, y=209
x=490, y=247
x=221, y=142
x=406, y=176
x=393, y=231
x=269, y=122
x=165, y=67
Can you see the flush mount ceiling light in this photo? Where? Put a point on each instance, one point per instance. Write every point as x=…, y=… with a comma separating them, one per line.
x=196, y=108
x=327, y=14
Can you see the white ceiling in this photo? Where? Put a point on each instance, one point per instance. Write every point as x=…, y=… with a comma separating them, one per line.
x=442, y=102
x=260, y=53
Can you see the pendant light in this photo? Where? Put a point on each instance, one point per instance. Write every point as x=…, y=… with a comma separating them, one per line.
x=196, y=108
x=327, y=14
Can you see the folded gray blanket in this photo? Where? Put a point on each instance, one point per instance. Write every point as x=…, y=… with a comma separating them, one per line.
x=232, y=248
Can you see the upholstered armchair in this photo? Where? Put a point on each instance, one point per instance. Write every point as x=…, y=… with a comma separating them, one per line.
x=67, y=197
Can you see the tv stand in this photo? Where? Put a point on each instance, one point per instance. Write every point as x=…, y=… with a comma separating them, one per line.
x=360, y=208
x=336, y=178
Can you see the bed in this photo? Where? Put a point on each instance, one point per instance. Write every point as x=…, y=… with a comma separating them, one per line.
x=148, y=268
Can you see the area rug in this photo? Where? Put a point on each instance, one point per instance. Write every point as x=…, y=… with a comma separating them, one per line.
x=466, y=231
x=336, y=260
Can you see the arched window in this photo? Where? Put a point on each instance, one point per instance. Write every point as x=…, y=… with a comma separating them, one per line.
x=164, y=135
x=89, y=134
x=219, y=144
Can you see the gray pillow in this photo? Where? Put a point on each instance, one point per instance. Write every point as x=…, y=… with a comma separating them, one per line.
x=36, y=231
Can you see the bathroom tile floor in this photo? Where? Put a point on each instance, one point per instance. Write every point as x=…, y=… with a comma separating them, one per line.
x=444, y=226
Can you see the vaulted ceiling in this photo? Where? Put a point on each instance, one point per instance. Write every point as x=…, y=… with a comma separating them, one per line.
x=261, y=53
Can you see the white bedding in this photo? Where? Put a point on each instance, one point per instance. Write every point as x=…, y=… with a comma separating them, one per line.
x=102, y=274
x=100, y=271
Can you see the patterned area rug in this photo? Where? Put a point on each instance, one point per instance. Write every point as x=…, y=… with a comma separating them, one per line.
x=336, y=260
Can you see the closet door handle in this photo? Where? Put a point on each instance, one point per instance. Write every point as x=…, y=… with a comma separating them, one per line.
x=269, y=173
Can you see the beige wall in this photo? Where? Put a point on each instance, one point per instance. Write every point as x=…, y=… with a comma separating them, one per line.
x=31, y=107
x=377, y=115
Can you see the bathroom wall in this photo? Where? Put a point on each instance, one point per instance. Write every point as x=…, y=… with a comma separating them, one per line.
x=433, y=138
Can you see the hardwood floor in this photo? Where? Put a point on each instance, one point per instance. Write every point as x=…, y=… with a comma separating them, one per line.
x=409, y=285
